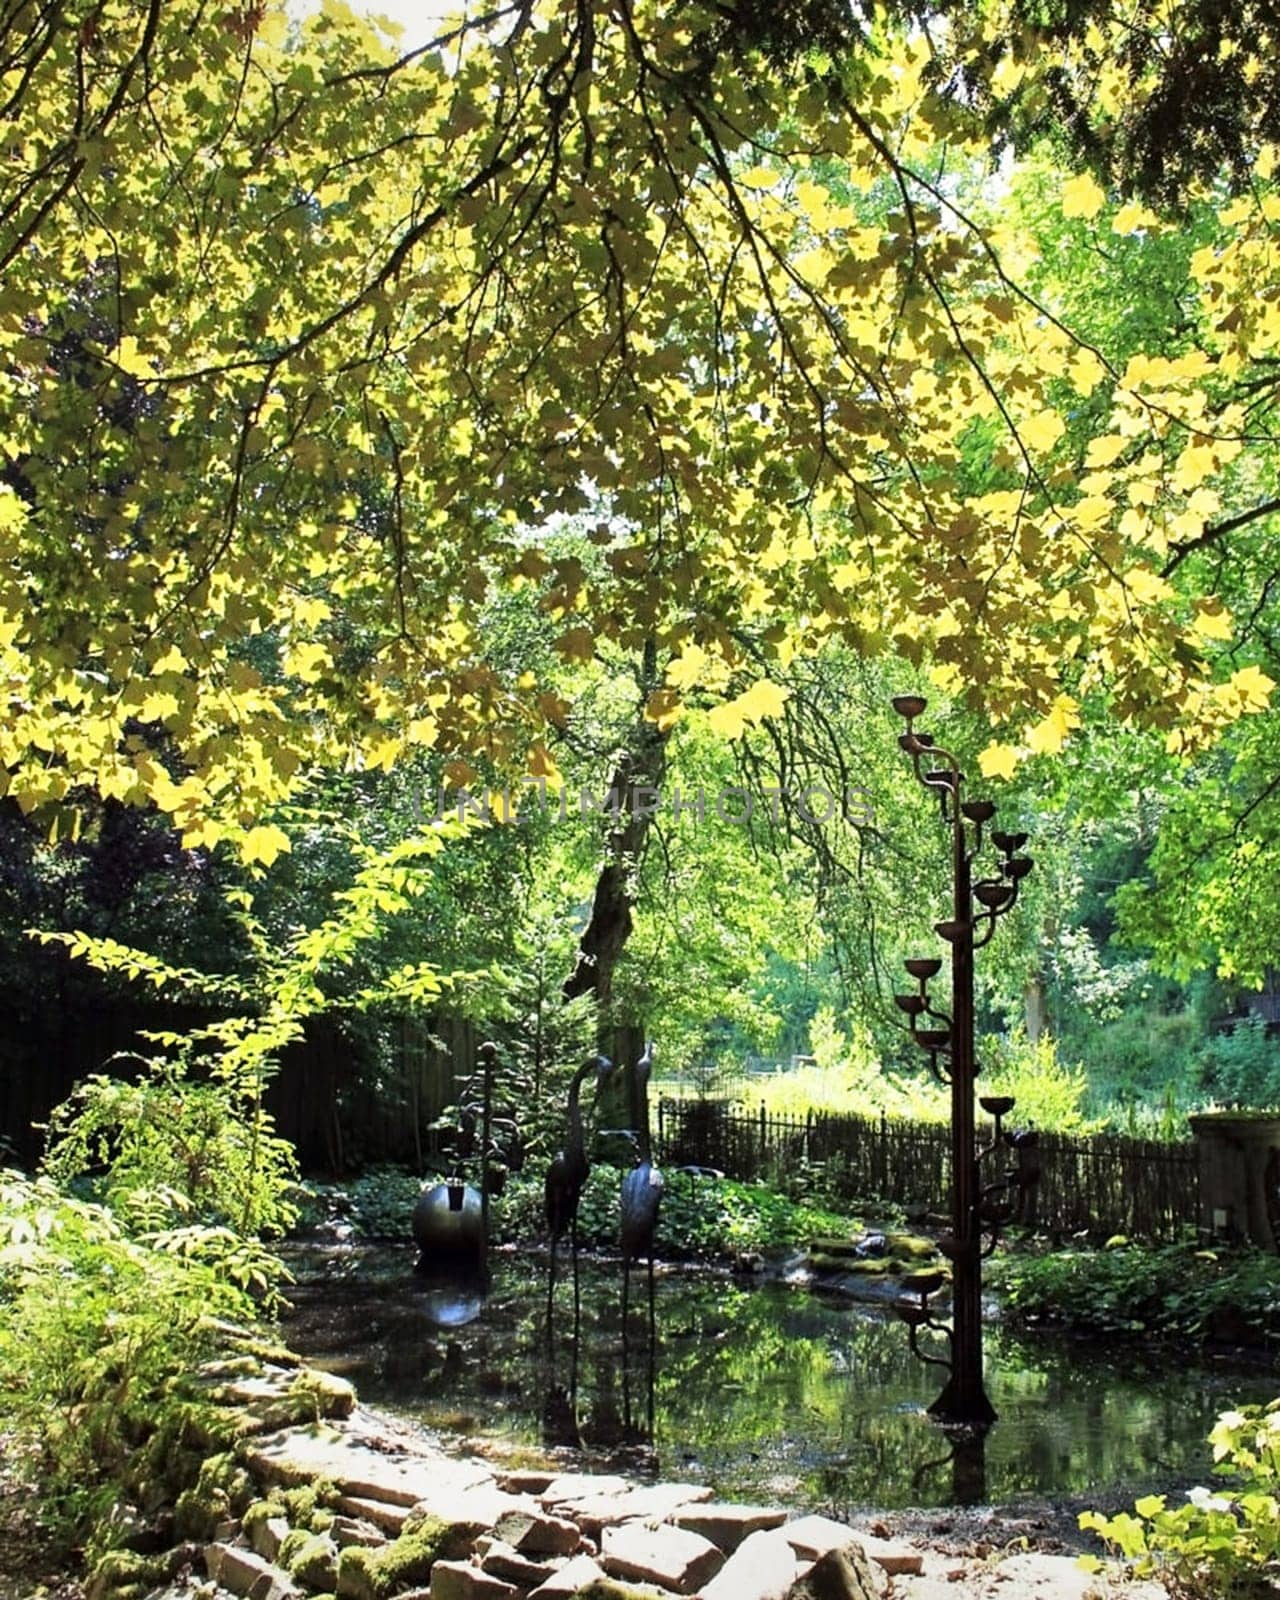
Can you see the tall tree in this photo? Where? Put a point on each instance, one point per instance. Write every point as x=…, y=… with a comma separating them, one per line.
x=305, y=342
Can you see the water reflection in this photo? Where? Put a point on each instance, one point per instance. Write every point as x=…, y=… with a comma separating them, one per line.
x=761, y=1390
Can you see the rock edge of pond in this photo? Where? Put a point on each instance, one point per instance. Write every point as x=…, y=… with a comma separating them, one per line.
x=360, y=1506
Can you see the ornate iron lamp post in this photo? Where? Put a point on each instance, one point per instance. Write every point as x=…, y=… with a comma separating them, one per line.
x=978, y=1212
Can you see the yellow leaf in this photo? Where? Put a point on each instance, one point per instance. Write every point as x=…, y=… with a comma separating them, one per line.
x=763, y=699
x=306, y=662
x=1194, y=465
x=689, y=667
x=998, y=761
x=1081, y=197
x=1146, y=586
x=264, y=843
x=172, y=660
x=1047, y=737
x=1253, y=687
x=727, y=719
x=1131, y=217
x=664, y=708
x=1086, y=372
x=1042, y=431
x=1212, y=624
x=129, y=358
x=1102, y=452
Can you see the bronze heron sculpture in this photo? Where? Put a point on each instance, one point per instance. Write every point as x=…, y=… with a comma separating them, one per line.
x=641, y=1192
x=567, y=1176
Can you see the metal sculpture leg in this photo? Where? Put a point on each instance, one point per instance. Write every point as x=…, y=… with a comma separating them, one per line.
x=577, y=1291
x=653, y=1347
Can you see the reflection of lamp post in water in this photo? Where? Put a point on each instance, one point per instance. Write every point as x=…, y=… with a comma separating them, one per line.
x=949, y=1040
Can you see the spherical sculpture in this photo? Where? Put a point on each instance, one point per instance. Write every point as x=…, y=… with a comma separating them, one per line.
x=448, y=1226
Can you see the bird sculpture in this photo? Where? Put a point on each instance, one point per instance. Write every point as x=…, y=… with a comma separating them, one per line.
x=567, y=1177
x=641, y=1192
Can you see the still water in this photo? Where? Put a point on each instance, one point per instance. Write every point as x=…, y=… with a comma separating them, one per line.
x=764, y=1390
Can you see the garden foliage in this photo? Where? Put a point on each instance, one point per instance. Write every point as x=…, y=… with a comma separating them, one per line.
x=1221, y=1545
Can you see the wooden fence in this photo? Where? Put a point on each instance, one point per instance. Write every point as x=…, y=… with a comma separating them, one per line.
x=1101, y=1185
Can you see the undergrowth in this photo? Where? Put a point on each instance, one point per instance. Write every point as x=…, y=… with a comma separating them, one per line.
x=1128, y=1290
x=701, y=1217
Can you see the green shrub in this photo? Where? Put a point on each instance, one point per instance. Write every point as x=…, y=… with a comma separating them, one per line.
x=173, y=1147
x=1242, y=1067
x=1049, y=1093
x=1172, y=1290
x=101, y=1338
x=1218, y=1545
x=700, y=1217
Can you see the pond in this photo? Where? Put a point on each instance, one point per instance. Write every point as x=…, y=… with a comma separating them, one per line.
x=765, y=1390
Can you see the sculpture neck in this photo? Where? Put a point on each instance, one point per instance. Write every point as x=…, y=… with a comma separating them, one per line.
x=575, y=1106
x=642, y=1117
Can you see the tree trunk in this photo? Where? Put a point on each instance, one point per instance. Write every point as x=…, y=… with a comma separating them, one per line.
x=636, y=770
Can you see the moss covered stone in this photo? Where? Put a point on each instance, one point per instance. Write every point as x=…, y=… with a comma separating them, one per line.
x=124, y=1575
x=222, y=1489
x=872, y=1266
x=365, y=1574
x=611, y=1589
x=910, y=1247
x=312, y=1558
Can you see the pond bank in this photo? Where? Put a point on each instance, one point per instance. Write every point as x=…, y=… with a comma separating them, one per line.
x=362, y=1506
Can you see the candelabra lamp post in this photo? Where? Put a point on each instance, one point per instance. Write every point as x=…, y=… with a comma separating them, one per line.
x=979, y=1207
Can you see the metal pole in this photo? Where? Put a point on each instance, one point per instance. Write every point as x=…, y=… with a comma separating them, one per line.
x=963, y=1398
x=975, y=1210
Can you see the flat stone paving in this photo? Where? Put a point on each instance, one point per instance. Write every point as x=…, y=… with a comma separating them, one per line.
x=528, y=1534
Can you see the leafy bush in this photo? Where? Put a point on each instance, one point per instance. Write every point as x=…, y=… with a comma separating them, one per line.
x=1217, y=1545
x=1049, y=1093
x=377, y=1205
x=171, y=1146
x=1242, y=1067
x=700, y=1218
x=1174, y=1290
x=101, y=1338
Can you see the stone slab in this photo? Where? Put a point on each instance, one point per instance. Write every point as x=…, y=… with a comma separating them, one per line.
x=668, y=1556
x=246, y=1573
x=533, y=1531
x=526, y=1480
x=481, y=1505
x=726, y=1523
x=268, y=1535
x=353, y=1529
x=812, y=1536
x=581, y=1486
x=459, y=1580
x=653, y=1502
x=297, y=1455
x=843, y=1573
x=505, y=1561
x=763, y=1567
x=387, y=1518
x=897, y=1560
x=574, y=1575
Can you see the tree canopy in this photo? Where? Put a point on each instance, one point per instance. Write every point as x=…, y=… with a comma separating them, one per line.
x=309, y=343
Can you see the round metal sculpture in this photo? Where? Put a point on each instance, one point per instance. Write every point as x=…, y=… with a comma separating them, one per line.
x=448, y=1226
